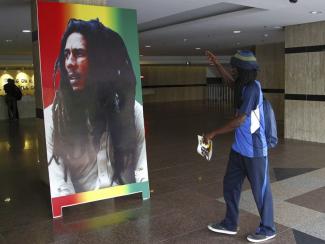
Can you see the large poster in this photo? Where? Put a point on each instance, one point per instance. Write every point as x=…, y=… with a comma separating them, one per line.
x=92, y=98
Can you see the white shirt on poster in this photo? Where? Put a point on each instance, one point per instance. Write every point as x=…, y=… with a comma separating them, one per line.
x=100, y=176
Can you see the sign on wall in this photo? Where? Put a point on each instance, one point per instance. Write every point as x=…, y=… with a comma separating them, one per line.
x=23, y=79
x=92, y=102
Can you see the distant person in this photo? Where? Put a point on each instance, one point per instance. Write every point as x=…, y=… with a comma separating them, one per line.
x=13, y=93
x=248, y=155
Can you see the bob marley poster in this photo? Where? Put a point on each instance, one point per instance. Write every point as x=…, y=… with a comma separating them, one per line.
x=92, y=102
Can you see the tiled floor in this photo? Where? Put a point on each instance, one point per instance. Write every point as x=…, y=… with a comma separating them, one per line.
x=186, y=190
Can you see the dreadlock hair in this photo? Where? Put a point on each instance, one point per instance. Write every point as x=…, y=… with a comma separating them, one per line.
x=106, y=104
x=244, y=77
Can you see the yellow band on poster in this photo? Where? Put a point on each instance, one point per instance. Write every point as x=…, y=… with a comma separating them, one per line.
x=107, y=16
x=112, y=192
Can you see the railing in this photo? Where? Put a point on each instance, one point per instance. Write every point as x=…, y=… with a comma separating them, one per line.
x=219, y=93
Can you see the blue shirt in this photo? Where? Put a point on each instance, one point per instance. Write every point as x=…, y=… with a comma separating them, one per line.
x=250, y=136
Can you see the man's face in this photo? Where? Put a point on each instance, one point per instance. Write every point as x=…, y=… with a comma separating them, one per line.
x=234, y=72
x=76, y=60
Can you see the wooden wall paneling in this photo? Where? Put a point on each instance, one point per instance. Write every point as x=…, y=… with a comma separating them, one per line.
x=305, y=35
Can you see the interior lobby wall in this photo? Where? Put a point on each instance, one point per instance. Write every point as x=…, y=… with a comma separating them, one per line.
x=270, y=58
x=305, y=82
x=167, y=83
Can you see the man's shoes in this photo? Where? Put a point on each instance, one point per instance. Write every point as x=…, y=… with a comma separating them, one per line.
x=220, y=229
x=259, y=237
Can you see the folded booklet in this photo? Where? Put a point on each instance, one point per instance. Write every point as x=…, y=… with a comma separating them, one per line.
x=205, y=150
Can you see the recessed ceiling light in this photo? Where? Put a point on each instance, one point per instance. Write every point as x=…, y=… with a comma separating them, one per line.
x=26, y=31
x=315, y=12
x=148, y=46
x=185, y=40
x=197, y=48
x=236, y=31
x=266, y=35
x=8, y=40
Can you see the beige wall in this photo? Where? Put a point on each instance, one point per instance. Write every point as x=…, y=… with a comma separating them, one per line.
x=305, y=74
x=304, y=120
x=311, y=34
x=173, y=75
x=271, y=75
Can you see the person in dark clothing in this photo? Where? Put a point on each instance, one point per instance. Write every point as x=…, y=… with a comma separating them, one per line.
x=13, y=94
x=248, y=156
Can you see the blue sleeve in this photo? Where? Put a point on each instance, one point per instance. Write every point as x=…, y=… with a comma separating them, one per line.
x=250, y=99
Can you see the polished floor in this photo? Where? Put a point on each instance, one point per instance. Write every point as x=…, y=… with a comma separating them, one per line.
x=186, y=190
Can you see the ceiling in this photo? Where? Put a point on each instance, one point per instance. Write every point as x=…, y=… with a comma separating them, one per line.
x=178, y=27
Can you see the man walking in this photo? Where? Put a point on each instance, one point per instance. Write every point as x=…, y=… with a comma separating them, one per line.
x=248, y=155
x=13, y=94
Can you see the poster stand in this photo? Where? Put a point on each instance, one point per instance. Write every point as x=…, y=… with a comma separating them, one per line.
x=58, y=203
x=46, y=48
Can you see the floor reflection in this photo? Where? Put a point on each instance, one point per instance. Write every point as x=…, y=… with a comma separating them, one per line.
x=184, y=186
x=61, y=226
x=15, y=137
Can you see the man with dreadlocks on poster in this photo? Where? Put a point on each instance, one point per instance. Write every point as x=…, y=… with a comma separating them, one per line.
x=94, y=129
x=248, y=155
